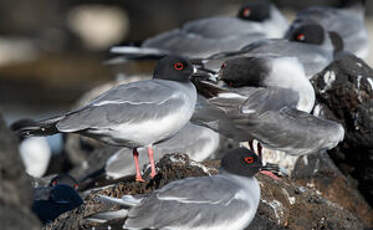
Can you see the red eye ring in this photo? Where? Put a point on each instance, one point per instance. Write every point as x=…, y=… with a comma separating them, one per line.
x=246, y=12
x=223, y=66
x=300, y=37
x=178, y=66
x=249, y=160
x=54, y=183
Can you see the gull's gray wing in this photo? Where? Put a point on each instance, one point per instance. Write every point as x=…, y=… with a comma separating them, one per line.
x=267, y=115
x=313, y=57
x=216, y=111
x=213, y=117
x=180, y=42
x=290, y=130
x=125, y=104
x=202, y=202
x=233, y=26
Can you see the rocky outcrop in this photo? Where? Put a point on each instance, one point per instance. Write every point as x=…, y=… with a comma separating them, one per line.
x=15, y=187
x=318, y=171
x=284, y=205
x=344, y=92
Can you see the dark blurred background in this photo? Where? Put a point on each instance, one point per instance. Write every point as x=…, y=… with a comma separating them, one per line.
x=51, y=52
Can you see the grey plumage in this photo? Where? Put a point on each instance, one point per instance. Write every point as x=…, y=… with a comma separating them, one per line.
x=204, y=37
x=286, y=129
x=225, y=201
x=206, y=202
x=313, y=57
x=132, y=104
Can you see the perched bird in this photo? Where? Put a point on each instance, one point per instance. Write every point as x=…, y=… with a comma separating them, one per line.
x=35, y=152
x=202, y=38
x=225, y=201
x=310, y=43
x=347, y=21
x=58, y=197
x=196, y=141
x=263, y=101
x=134, y=115
x=62, y=198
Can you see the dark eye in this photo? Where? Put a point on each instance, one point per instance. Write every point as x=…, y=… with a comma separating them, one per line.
x=179, y=66
x=300, y=37
x=246, y=12
x=249, y=160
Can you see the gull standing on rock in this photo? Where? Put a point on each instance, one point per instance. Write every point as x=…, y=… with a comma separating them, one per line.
x=225, y=201
x=134, y=115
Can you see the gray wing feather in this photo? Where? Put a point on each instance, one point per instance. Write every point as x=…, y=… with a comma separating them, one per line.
x=211, y=116
x=212, y=27
x=292, y=131
x=269, y=115
x=180, y=42
x=193, y=202
x=125, y=103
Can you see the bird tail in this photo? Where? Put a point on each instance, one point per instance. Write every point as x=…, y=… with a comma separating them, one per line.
x=126, y=202
x=28, y=127
x=134, y=53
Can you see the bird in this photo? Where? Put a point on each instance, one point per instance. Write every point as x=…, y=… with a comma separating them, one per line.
x=263, y=101
x=36, y=155
x=310, y=43
x=57, y=197
x=196, y=141
x=35, y=152
x=347, y=21
x=62, y=198
x=228, y=200
x=134, y=115
x=201, y=38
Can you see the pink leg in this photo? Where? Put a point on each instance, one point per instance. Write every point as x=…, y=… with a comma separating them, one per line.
x=136, y=159
x=151, y=160
x=270, y=174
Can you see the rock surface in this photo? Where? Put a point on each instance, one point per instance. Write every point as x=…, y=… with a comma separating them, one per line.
x=344, y=91
x=284, y=205
x=15, y=187
x=318, y=171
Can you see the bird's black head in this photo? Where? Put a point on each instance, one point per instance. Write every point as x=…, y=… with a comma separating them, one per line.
x=65, y=195
x=64, y=179
x=257, y=11
x=244, y=71
x=242, y=162
x=174, y=68
x=309, y=33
